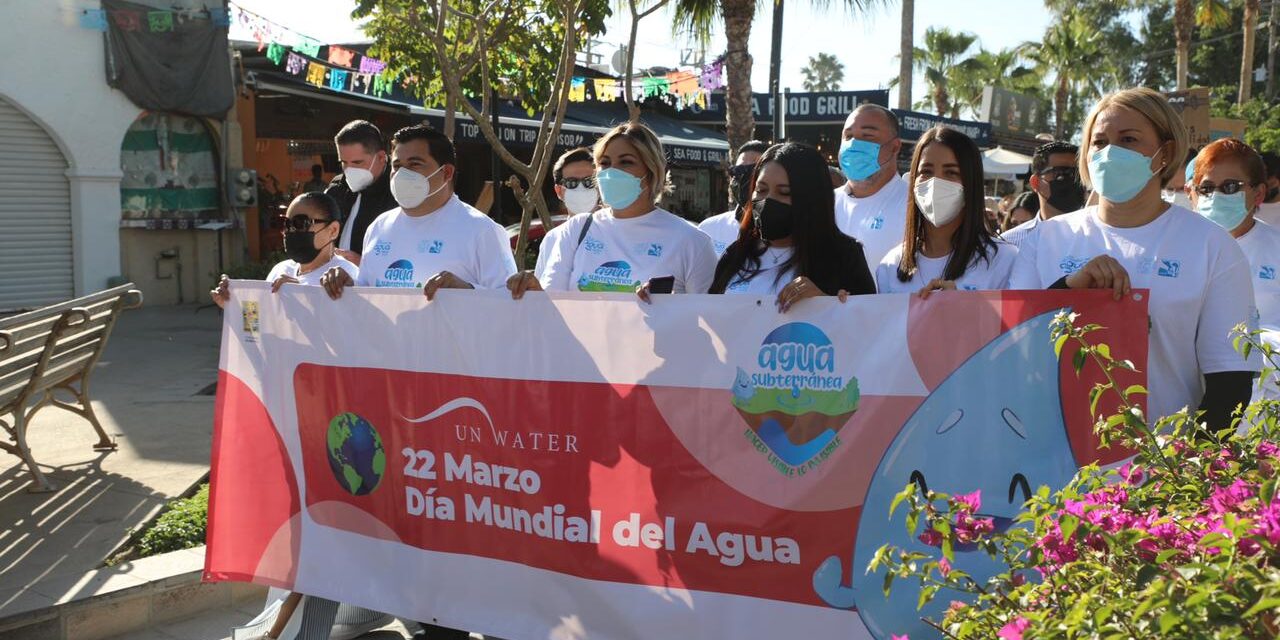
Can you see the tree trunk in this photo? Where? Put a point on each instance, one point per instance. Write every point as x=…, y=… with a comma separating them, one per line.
x=739, y=119
x=1182, y=23
x=1251, y=10
x=1060, y=110
x=906, y=47
x=1273, y=44
x=941, y=100
x=451, y=118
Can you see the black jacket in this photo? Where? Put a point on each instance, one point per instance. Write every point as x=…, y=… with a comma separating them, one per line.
x=374, y=200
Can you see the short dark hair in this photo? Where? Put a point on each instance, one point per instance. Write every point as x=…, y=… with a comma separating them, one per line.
x=438, y=144
x=363, y=133
x=1272, y=162
x=323, y=202
x=890, y=116
x=1040, y=159
x=1028, y=200
x=581, y=154
x=753, y=146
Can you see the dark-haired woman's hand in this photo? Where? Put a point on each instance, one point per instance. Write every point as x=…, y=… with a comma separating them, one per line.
x=335, y=280
x=521, y=282
x=1102, y=272
x=795, y=291
x=937, y=284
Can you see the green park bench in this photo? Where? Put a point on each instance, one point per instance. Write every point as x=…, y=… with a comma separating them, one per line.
x=51, y=350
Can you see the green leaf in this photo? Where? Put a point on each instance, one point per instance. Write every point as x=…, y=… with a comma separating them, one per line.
x=1095, y=394
x=1263, y=605
x=1164, y=556
x=1057, y=345
x=888, y=582
x=1168, y=620
x=1079, y=360
x=926, y=594
x=1104, y=350
x=1135, y=388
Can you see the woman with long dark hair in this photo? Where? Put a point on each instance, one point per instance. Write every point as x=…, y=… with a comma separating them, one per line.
x=789, y=245
x=947, y=244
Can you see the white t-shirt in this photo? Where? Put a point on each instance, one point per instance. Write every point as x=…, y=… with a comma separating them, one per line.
x=1022, y=233
x=1261, y=248
x=767, y=282
x=1199, y=283
x=311, y=278
x=722, y=229
x=1269, y=213
x=981, y=275
x=404, y=251
x=878, y=221
x=618, y=254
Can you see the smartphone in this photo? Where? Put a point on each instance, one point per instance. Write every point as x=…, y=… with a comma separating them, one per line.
x=665, y=284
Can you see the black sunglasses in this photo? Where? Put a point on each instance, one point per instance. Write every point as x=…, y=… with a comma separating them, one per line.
x=741, y=172
x=302, y=222
x=1228, y=187
x=1054, y=174
x=572, y=183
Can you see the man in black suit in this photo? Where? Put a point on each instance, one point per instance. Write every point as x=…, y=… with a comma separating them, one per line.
x=363, y=189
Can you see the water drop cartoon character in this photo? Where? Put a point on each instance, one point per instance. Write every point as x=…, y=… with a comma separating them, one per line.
x=994, y=425
x=743, y=390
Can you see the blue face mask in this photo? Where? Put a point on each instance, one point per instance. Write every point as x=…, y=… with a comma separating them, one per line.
x=1226, y=210
x=618, y=189
x=859, y=159
x=1118, y=174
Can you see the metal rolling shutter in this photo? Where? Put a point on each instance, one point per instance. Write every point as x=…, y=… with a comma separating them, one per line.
x=35, y=215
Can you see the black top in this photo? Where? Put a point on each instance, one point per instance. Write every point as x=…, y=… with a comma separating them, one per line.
x=374, y=200
x=847, y=271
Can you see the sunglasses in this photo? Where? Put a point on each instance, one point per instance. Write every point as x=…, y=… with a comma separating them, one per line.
x=741, y=172
x=1228, y=187
x=302, y=222
x=572, y=183
x=1054, y=174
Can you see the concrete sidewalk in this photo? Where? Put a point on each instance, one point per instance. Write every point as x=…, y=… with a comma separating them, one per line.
x=146, y=391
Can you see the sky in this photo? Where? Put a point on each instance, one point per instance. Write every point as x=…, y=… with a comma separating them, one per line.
x=866, y=43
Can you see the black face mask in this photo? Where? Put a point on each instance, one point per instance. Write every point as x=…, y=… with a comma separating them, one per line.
x=1066, y=195
x=740, y=183
x=300, y=246
x=774, y=219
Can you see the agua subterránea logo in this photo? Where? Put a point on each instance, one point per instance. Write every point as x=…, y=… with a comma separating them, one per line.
x=795, y=395
x=398, y=274
x=612, y=276
x=355, y=452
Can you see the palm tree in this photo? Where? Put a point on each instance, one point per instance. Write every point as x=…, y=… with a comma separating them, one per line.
x=906, y=46
x=1188, y=14
x=1251, y=10
x=940, y=61
x=1002, y=69
x=823, y=73
x=699, y=18
x=1071, y=52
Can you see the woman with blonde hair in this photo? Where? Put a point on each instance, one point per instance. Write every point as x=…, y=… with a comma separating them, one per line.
x=1197, y=275
x=630, y=241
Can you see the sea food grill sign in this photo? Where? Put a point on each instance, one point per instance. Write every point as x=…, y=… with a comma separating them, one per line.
x=724, y=471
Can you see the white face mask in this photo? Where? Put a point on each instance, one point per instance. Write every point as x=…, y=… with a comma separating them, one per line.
x=581, y=199
x=939, y=201
x=411, y=188
x=358, y=178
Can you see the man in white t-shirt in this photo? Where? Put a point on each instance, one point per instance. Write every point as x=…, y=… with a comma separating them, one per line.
x=432, y=240
x=872, y=206
x=723, y=228
x=1055, y=178
x=1269, y=210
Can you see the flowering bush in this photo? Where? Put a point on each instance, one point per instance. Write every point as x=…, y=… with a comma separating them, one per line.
x=1183, y=541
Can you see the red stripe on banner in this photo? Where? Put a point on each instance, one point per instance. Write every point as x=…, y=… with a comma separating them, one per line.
x=1126, y=339
x=491, y=445
x=253, y=494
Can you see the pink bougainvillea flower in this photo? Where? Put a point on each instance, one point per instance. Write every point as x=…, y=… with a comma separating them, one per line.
x=1013, y=630
x=968, y=528
x=969, y=501
x=944, y=567
x=1131, y=473
x=1268, y=449
x=931, y=537
x=902, y=637
x=956, y=605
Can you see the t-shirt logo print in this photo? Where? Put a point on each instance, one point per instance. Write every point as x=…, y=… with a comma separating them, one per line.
x=591, y=245
x=1169, y=268
x=1071, y=264
x=382, y=248
x=655, y=250
x=876, y=223
x=430, y=246
x=398, y=274
x=612, y=276
x=1267, y=272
